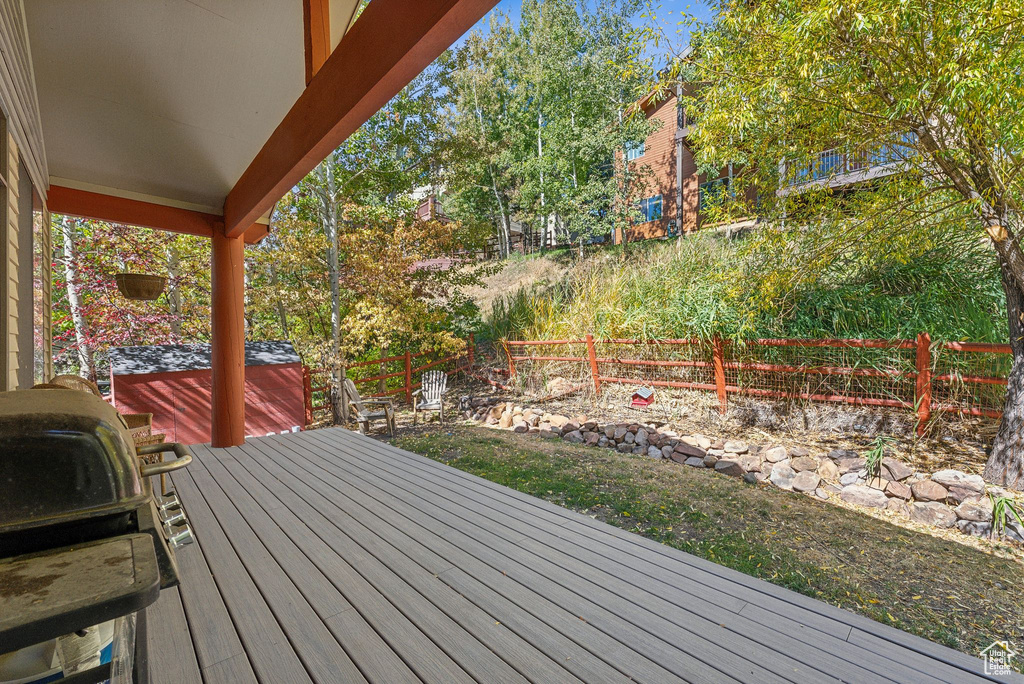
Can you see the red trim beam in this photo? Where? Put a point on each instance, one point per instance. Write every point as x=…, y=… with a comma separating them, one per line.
x=95, y=205
x=387, y=47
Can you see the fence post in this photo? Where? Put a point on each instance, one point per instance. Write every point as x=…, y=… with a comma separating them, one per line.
x=511, y=364
x=592, y=355
x=923, y=397
x=408, y=377
x=718, y=356
x=307, y=395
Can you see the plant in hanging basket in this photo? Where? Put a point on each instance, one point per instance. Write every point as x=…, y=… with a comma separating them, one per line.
x=140, y=286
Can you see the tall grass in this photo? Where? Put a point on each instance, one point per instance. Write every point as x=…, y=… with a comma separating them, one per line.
x=706, y=285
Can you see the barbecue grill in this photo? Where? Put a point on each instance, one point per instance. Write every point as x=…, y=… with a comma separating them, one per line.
x=85, y=544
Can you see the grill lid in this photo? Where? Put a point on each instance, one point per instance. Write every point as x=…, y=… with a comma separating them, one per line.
x=65, y=456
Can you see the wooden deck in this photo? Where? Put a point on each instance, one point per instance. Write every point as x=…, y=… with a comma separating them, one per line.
x=327, y=556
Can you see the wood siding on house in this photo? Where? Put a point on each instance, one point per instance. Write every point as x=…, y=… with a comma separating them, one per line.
x=9, y=259
x=656, y=171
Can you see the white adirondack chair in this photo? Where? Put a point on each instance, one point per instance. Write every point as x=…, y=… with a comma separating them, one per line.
x=430, y=395
x=364, y=415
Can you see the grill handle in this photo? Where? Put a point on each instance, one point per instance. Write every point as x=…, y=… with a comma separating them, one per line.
x=183, y=458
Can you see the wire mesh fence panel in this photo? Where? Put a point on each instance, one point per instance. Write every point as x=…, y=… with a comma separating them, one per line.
x=970, y=378
x=671, y=363
x=840, y=371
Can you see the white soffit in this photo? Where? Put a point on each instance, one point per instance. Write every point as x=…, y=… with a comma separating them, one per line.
x=168, y=99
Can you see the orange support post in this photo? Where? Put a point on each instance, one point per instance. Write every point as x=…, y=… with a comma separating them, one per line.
x=307, y=394
x=228, y=354
x=592, y=355
x=718, y=354
x=924, y=381
x=408, y=376
x=511, y=364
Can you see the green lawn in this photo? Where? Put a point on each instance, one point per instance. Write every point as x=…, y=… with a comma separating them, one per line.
x=939, y=589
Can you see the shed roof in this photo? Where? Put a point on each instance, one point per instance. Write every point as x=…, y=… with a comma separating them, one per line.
x=171, y=358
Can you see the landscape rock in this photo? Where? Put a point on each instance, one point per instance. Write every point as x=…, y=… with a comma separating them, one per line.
x=898, y=490
x=975, y=511
x=521, y=427
x=804, y=463
x=629, y=438
x=653, y=451
x=843, y=454
x=958, y=478
x=750, y=478
x=932, y=513
x=666, y=451
x=958, y=495
x=849, y=478
x=639, y=450
x=898, y=506
x=798, y=452
x=977, y=529
x=505, y=421
x=620, y=433
x=576, y=437
x=877, y=483
x=928, y=490
x=848, y=464
x=735, y=447
x=557, y=420
x=828, y=470
x=624, y=448
x=549, y=434
x=689, y=450
x=534, y=420
x=775, y=454
x=805, y=481
x=710, y=460
x=893, y=469
x=641, y=437
x=750, y=462
x=782, y=475
x=592, y=438
x=695, y=462
x=571, y=426
x=590, y=425
x=609, y=431
x=604, y=441
x=703, y=442
x=729, y=467
x=864, y=496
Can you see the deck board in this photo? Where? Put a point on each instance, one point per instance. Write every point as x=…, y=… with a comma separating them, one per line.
x=330, y=556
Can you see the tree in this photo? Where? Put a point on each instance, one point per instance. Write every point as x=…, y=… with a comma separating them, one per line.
x=931, y=89
x=536, y=120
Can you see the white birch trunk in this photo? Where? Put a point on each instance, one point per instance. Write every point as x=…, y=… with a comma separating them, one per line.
x=86, y=357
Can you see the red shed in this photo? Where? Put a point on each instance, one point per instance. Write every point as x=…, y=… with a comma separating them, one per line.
x=174, y=383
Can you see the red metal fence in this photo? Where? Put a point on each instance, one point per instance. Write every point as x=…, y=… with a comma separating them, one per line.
x=394, y=375
x=958, y=377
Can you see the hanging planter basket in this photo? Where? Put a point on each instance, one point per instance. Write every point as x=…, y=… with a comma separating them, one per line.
x=140, y=286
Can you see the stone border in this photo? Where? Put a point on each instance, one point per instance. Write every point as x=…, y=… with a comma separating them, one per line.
x=944, y=499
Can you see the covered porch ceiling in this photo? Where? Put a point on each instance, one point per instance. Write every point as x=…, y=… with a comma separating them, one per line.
x=167, y=102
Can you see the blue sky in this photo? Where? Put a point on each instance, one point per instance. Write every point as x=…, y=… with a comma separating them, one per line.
x=668, y=11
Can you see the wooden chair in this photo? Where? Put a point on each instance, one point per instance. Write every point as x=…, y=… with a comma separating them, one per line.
x=430, y=395
x=364, y=416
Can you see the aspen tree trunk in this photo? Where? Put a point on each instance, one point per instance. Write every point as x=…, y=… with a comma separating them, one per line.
x=330, y=221
x=174, y=290
x=282, y=312
x=1005, y=465
x=86, y=358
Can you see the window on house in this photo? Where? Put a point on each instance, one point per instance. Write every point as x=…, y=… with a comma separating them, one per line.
x=711, y=193
x=634, y=150
x=650, y=208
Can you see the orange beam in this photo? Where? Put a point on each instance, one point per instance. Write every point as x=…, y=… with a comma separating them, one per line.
x=228, y=341
x=100, y=207
x=388, y=46
x=94, y=205
x=316, y=20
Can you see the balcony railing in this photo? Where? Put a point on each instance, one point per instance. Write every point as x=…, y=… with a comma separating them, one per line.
x=842, y=166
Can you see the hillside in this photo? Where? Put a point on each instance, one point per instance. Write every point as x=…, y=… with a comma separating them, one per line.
x=706, y=285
